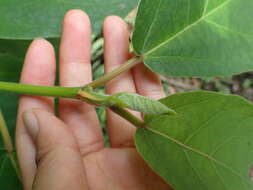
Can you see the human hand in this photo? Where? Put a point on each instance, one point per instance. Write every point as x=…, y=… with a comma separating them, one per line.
x=68, y=152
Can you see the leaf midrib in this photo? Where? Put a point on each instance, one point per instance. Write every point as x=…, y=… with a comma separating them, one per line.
x=184, y=146
x=151, y=25
x=187, y=28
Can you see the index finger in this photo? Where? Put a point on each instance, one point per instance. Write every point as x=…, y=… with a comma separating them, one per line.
x=38, y=69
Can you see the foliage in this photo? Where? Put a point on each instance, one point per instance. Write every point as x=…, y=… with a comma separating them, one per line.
x=9, y=173
x=195, y=38
x=206, y=146
x=40, y=22
x=141, y=104
x=42, y=18
x=205, y=142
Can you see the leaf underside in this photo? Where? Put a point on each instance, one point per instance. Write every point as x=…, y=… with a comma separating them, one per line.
x=195, y=38
x=208, y=145
x=142, y=104
x=8, y=176
x=42, y=18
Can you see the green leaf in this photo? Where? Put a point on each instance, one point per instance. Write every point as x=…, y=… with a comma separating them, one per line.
x=42, y=18
x=207, y=145
x=8, y=176
x=141, y=103
x=12, y=53
x=11, y=61
x=195, y=37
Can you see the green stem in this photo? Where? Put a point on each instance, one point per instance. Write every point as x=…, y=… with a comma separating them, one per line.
x=63, y=92
x=5, y=134
x=94, y=98
x=128, y=116
x=104, y=79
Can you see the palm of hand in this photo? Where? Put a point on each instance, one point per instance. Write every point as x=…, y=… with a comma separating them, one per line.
x=68, y=152
x=120, y=169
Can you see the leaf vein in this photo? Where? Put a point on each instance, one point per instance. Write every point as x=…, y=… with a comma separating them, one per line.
x=205, y=7
x=205, y=123
x=197, y=102
x=226, y=28
x=152, y=24
x=203, y=154
x=172, y=56
x=219, y=177
x=190, y=163
x=187, y=28
x=222, y=144
x=189, y=11
x=216, y=171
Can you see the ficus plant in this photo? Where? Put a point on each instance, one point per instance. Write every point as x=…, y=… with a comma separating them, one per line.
x=196, y=140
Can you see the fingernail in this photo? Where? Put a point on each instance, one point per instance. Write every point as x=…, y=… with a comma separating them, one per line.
x=31, y=123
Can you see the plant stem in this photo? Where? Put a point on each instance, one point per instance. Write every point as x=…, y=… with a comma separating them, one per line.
x=8, y=143
x=104, y=79
x=5, y=134
x=94, y=98
x=128, y=116
x=62, y=92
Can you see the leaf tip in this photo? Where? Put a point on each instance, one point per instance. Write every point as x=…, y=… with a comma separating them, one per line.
x=171, y=112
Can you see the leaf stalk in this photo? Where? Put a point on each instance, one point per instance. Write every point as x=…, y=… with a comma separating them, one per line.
x=138, y=123
x=63, y=92
x=106, y=78
x=103, y=100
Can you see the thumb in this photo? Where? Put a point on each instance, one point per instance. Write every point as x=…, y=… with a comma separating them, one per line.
x=59, y=163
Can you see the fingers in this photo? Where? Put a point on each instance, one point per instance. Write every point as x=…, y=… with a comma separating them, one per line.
x=148, y=83
x=116, y=53
x=38, y=69
x=75, y=70
x=75, y=49
x=59, y=162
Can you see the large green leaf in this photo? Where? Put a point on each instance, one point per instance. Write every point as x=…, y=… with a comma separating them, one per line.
x=11, y=60
x=208, y=145
x=195, y=37
x=42, y=18
x=8, y=175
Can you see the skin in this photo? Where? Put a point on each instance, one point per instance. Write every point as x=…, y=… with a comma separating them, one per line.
x=67, y=152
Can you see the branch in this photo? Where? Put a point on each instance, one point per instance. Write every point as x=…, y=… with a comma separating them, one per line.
x=125, y=67
x=62, y=92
